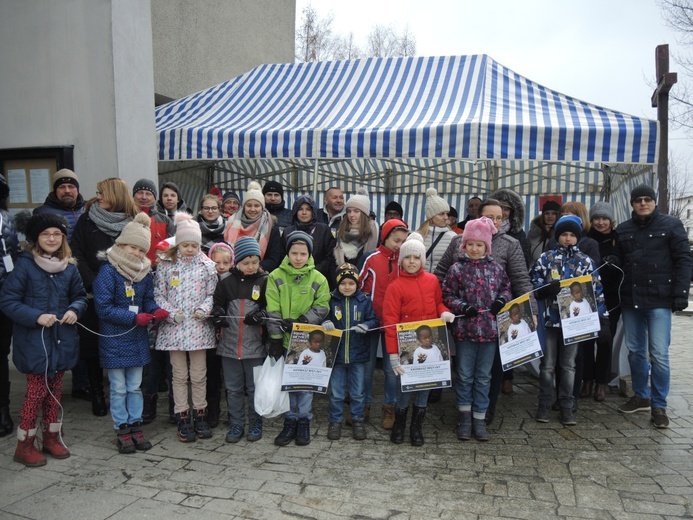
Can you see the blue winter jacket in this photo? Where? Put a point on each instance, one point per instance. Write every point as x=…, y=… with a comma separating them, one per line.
x=28, y=292
x=112, y=308
x=347, y=312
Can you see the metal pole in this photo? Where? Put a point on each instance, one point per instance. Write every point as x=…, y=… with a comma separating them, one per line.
x=315, y=182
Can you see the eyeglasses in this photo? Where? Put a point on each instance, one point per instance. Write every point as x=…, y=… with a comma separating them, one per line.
x=643, y=200
x=210, y=208
x=54, y=236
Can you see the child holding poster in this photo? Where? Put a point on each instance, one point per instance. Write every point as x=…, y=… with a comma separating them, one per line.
x=414, y=296
x=564, y=262
x=476, y=288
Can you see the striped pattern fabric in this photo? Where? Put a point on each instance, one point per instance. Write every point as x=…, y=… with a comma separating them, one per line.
x=454, y=107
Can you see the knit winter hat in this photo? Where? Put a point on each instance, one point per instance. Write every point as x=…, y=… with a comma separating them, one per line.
x=299, y=236
x=434, y=203
x=568, y=223
x=360, y=201
x=391, y=225
x=145, y=184
x=602, y=209
x=481, y=229
x=33, y=226
x=223, y=246
x=136, y=233
x=453, y=213
x=273, y=187
x=413, y=246
x=254, y=193
x=187, y=229
x=394, y=206
x=347, y=271
x=245, y=247
x=643, y=190
x=551, y=205
x=230, y=195
x=64, y=176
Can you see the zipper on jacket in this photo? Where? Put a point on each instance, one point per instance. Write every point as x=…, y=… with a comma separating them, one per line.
x=240, y=328
x=347, y=326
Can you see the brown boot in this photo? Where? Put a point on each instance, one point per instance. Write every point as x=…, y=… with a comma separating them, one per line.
x=53, y=443
x=26, y=452
x=600, y=393
x=586, y=390
x=388, y=417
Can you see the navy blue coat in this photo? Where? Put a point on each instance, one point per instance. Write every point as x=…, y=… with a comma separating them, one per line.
x=28, y=292
x=112, y=308
x=346, y=312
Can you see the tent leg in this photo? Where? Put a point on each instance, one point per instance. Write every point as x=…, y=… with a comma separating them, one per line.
x=315, y=182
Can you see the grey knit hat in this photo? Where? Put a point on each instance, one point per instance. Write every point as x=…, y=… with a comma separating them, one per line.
x=601, y=209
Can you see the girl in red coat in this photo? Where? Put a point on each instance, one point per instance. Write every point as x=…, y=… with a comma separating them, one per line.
x=415, y=296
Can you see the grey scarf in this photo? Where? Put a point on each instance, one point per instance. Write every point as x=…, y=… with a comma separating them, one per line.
x=109, y=222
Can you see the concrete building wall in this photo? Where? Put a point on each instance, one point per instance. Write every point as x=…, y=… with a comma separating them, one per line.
x=200, y=43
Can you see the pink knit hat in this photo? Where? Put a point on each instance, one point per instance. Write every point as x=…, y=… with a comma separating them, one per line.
x=481, y=229
x=187, y=229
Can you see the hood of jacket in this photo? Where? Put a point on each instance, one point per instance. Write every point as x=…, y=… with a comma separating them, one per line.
x=517, y=218
x=303, y=199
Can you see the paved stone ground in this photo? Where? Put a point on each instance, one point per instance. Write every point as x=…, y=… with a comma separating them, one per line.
x=609, y=466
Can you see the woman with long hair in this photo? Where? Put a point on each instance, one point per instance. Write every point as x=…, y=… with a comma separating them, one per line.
x=212, y=222
x=435, y=230
x=357, y=233
x=541, y=229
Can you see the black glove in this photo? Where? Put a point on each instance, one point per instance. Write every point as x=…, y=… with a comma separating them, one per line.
x=286, y=325
x=549, y=290
x=276, y=348
x=496, y=306
x=469, y=311
x=217, y=320
x=302, y=319
x=679, y=304
x=256, y=318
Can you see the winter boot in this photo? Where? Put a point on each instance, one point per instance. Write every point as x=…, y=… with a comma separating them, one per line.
x=98, y=402
x=480, y=432
x=26, y=452
x=287, y=434
x=388, y=417
x=124, y=439
x=149, y=410
x=52, y=442
x=6, y=424
x=417, y=418
x=303, y=432
x=359, y=430
x=186, y=430
x=464, y=426
x=202, y=429
x=255, y=430
x=400, y=423
x=138, y=438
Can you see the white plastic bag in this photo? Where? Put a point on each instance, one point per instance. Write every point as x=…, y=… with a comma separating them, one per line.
x=270, y=401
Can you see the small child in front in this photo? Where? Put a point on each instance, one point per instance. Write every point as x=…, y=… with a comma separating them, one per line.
x=476, y=288
x=352, y=312
x=123, y=298
x=414, y=296
x=296, y=291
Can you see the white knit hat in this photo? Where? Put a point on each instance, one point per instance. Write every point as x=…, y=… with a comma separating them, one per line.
x=413, y=246
x=360, y=201
x=137, y=233
x=187, y=229
x=254, y=193
x=434, y=204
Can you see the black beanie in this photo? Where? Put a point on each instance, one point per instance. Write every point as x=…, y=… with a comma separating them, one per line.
x=145, y=184
x=273, y=187
x=643, y=190
x=39, y=223
x=551, y=205
x=394, y=206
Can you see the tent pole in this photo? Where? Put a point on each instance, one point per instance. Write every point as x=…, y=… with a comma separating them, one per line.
x=315, y=182
x=660, y=100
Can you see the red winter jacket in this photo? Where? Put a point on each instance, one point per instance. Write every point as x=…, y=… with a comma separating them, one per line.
x=380, y=269
x=161, y=227
x=412, y=297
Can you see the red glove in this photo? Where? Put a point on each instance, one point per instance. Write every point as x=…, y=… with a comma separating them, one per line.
x=160, y=315
x=143, y=319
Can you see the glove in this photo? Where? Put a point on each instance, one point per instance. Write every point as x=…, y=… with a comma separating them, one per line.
x=302, y=319
x=256, y=318
x=469, y=311
x=217, y=320
x=276, y=348
x=679, y=304
x=396, y=367
x=549, y=290
x=610, y=259
x=496, y=306
x=447, y=317
x=286, y=325
x=328, y=325
x=361, y=328
x=160, y=315
x=143, y=319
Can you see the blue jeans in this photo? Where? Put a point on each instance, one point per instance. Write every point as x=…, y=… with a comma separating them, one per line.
x=390, y=377
x=648, y=333
x=126, y=396
x=300, y=405
x=473, y=362
x=238, y=377
x=420, y=397
x=562, y=358
x=353, y=376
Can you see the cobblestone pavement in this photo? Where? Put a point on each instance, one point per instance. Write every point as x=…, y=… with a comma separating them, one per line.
x=608, y=466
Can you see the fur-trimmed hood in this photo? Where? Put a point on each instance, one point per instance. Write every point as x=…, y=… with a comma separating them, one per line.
x=517, y=217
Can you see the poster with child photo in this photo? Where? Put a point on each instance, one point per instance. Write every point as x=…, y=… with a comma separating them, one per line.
x=310, y=358
x=576, y=304
x=424, y=354
x=517, y=336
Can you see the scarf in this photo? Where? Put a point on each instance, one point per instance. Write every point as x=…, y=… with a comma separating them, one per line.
x=258, y=228
x=51, y=264
x=109, y=222
x=131, y=267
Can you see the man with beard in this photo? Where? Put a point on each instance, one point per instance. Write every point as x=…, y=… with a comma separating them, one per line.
x=65, y=199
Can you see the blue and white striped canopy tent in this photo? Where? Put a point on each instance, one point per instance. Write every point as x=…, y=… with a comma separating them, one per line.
x=465, y=124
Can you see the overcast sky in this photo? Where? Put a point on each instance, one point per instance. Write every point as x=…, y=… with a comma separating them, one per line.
x=600, y=51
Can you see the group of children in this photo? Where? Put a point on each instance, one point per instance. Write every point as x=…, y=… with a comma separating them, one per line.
x=228, y=303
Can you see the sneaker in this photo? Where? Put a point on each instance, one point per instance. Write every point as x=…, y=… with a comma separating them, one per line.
x=235, y=433
x=659, y=418
x=359, y=430
x=568, y=417
x=334, y=431
x=303, y=432
x=138, y=438
x=255, y=430
x=124, y=439
x=635, y=404
x=543, y=414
